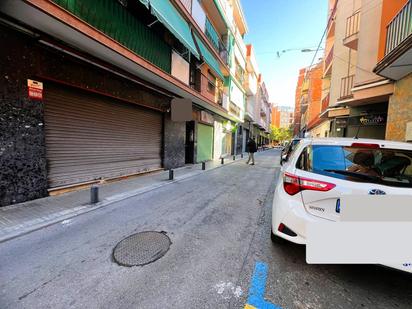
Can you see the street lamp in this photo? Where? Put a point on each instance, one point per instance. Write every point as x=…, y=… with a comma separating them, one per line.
x=302, y=50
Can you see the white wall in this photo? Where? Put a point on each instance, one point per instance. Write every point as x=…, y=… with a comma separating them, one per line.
x=180, y=68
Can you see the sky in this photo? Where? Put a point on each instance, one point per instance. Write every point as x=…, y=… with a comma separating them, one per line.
x=276, y=25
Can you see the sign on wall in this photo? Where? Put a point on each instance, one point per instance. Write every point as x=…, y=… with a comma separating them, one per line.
x=368, y=120
x=181, y=109
x=35, y=89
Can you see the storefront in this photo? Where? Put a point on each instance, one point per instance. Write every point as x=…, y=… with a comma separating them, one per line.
x=366, y=121
x=90, y=137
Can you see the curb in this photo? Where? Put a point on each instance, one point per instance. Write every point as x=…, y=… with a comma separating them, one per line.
x=80, y=210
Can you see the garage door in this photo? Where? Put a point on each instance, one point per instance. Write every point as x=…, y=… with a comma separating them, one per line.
x=89, y=137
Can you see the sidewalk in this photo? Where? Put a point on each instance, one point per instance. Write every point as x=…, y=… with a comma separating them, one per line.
x=23, y=218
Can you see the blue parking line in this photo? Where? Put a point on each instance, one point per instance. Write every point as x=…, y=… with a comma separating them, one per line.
x=257, y=288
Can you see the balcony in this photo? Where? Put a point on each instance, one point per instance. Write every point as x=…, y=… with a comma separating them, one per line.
x=204, y=23
x=304, y=103
x=352, y=31
x=346, y=86
x=327, y=69
x=241, y=44
x=325, y=102
x=331, y=21
x=399, y=29
x=214, y=38
x=398, y=46
x=305, y=87
x=251, y=84
x=210, y=87
x=240, y=74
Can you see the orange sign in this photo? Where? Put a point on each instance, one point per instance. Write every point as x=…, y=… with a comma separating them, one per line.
x=35, y=89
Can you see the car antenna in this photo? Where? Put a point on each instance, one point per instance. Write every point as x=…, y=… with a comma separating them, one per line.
x=357, y=132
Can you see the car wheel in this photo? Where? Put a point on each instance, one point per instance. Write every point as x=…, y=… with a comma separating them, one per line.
x=276, y=239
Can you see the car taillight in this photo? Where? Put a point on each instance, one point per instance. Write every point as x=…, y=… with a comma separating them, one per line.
x=294, y=184
x=365, y=145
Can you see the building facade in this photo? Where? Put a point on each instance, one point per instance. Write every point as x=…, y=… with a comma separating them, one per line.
x=89, y=89
x=365, y=82
x=394, y=59
x=282, y=116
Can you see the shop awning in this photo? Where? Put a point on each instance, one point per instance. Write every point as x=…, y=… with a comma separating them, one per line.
x=168, y=15
x=209, y=58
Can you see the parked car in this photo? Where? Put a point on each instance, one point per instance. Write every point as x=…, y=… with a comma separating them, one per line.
x=316, y=175
x=287, y=150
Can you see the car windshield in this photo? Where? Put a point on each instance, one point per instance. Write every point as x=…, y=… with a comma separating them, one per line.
x=391, y=167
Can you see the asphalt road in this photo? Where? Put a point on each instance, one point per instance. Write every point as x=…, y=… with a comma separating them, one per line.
x=219, y=225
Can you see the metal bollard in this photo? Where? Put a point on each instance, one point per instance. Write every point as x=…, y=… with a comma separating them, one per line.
x=171, y=174
x=94, y=194
x=222, y=160
x=234, y=158
x=241, y=155
x=203, y=166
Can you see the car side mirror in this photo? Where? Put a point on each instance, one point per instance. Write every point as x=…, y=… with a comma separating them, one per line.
x=283, y=159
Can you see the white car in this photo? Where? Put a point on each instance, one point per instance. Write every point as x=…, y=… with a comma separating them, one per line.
x=318, y=171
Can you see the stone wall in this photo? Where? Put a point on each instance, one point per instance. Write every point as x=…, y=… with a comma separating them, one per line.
x=400, y=110
x=174, y=143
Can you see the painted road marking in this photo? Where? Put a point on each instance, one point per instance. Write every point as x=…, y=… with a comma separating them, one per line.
x=256, y=298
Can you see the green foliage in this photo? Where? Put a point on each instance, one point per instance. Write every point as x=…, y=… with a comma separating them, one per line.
x=280, y=134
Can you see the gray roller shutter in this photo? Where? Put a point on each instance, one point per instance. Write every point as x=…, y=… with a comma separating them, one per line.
x=89, y=137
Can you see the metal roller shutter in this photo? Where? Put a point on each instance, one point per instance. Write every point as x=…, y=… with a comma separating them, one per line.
x=90, y=137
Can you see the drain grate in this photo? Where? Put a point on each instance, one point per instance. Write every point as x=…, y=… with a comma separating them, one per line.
x=141, y=248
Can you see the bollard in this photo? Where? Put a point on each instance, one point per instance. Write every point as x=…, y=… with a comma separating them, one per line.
x=234, y=158
x=203, y=166
x=94, y=194
x=171, y=174
x=241, y=155
x=222, y=161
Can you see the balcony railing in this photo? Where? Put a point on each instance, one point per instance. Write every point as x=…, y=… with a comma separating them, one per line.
x=328, y=60
x=346, y=87
x=399, y=28
x=212, y=34
x=352, y=24
x=217, y=43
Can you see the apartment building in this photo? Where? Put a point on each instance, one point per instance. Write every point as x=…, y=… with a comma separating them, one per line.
x=282, y=116
x=354, y=99
x=90, y=87
x=394, y=59
x=297, y=112
x=258, y=107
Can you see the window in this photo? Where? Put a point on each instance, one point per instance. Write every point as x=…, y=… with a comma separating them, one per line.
x=211, y=82
x=390, y=167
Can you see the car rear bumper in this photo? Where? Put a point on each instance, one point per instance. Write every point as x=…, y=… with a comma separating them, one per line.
x=292, y=213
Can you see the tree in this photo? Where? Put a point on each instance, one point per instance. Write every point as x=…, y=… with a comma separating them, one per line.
x=280, y=134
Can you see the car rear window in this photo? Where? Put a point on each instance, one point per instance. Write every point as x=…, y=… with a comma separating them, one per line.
x=391, y=167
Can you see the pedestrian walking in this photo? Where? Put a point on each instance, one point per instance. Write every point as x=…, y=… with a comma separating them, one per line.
x=251, y=149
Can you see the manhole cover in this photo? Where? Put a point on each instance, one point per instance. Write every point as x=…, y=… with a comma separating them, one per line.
x=141, y=248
